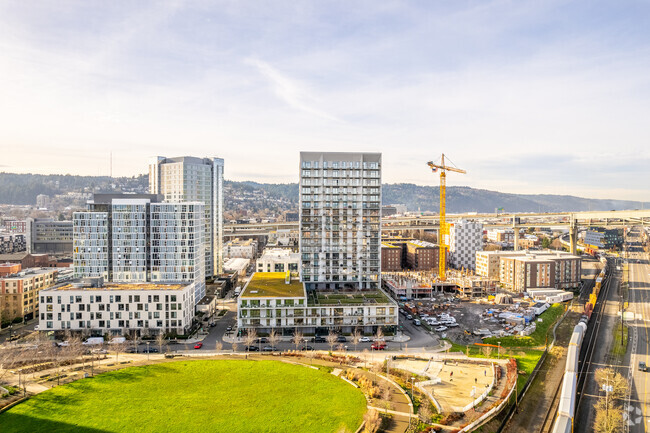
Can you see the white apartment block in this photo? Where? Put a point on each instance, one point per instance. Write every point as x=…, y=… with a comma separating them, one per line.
x=243, y=249
x=465, y=239
x=501, y=235
x=93, y=307
x=135, y=238
x=278, y=260
x=340, y=226
x=269, y=302
x=191, y=179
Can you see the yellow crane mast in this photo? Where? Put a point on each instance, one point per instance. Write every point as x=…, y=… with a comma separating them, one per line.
x=444, y=227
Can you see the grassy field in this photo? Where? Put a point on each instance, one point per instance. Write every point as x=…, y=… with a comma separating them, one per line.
x=537, y=338
x=197, y=396
x=619, y=345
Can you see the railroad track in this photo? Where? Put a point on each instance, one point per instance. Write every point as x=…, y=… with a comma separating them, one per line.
x=547, y=425
x=591, y=344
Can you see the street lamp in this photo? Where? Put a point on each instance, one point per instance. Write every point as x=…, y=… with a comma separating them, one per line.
x=499, y=351
x=148, y=351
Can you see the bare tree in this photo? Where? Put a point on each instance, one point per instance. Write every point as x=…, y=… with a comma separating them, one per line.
x=218, y=346
x=608, y=419
x=235, y=346
x=355, y=338
x=118, y=348
x=619, y=384
x=379, y=335
x=331, y=339
x=297, y=338
x=425, y=413
x=487, y=351
x=249, y=339
x=274, y=338
x=372, y=420
x=134, y=343
x=385, y=395
x=365, y=354
x=161, y=341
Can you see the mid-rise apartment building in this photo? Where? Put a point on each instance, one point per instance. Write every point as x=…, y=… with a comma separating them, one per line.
x=501, y=235
x=19, y=292
x=391, y=257
x=95, y=307
x=47, y=236
x=421, y=255
x=340, y=224
x=278, y=260
x=566, y=269
x=271, y=301
x=191, y=179
x=137, y=238
x=465, y=239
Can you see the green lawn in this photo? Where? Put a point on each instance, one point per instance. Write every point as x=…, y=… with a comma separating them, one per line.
x=537, y=338
x=195, y=396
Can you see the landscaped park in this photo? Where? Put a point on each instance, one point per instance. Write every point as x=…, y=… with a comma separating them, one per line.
x=199, y=396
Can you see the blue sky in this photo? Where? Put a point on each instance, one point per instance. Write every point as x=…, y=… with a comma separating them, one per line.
x=528, y=97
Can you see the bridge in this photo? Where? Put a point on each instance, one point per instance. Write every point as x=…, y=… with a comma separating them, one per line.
x=570, y=220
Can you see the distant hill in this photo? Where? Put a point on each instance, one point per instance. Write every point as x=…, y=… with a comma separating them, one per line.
x=23, y=189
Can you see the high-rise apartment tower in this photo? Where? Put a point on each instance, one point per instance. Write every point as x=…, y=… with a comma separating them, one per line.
x=188, y=178
x=136, y=238
x=340, y=224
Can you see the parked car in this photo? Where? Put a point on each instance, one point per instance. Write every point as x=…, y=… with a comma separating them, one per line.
x=642, y=366
x=408, y=316
x=378, y=346
x=306, y=347
x=341, y=339
x=364, y=340
x=269, y=349
x=452, y=324
x=262, y=340
x=198, y=345
x=441, y=328
x=252, y=348
x=319, y=339
x=229, y=328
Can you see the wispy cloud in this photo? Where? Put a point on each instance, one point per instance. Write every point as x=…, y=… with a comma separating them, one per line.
x=289, y=90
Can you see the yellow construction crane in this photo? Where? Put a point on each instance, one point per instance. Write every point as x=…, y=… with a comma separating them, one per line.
x=444, y=227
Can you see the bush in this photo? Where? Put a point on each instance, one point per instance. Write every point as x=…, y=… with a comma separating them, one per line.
x=452, y=417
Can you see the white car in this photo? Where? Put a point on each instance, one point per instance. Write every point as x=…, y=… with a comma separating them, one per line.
x=364, y=340
x=441, y=328
x=451, y=325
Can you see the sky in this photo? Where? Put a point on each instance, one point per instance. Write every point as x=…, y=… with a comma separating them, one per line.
x=527, y=96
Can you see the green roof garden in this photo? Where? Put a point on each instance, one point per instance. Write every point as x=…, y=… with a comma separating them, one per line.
x=343, y=299
x=272, y=285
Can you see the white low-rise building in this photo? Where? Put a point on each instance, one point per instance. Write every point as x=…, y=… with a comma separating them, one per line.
x=278, y=260
x=91, y=306
x=274, y=301
x=237, y=265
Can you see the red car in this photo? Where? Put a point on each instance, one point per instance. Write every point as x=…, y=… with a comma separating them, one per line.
x=198, y=345
x=378, y=346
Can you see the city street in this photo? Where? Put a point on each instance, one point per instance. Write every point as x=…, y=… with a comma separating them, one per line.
x=639, y=298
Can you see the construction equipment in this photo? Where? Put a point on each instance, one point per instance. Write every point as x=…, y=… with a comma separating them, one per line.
x=444, y=227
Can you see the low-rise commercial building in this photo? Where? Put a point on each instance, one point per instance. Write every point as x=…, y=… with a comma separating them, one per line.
x=278, y=260
x=238, y=266
x=273, y=300
x=19, y=292
x=92, y=307
x=237, y=248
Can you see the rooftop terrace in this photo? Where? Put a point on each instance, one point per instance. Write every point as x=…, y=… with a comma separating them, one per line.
x=122, y=286
x=352, y=298
x=272, y=285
